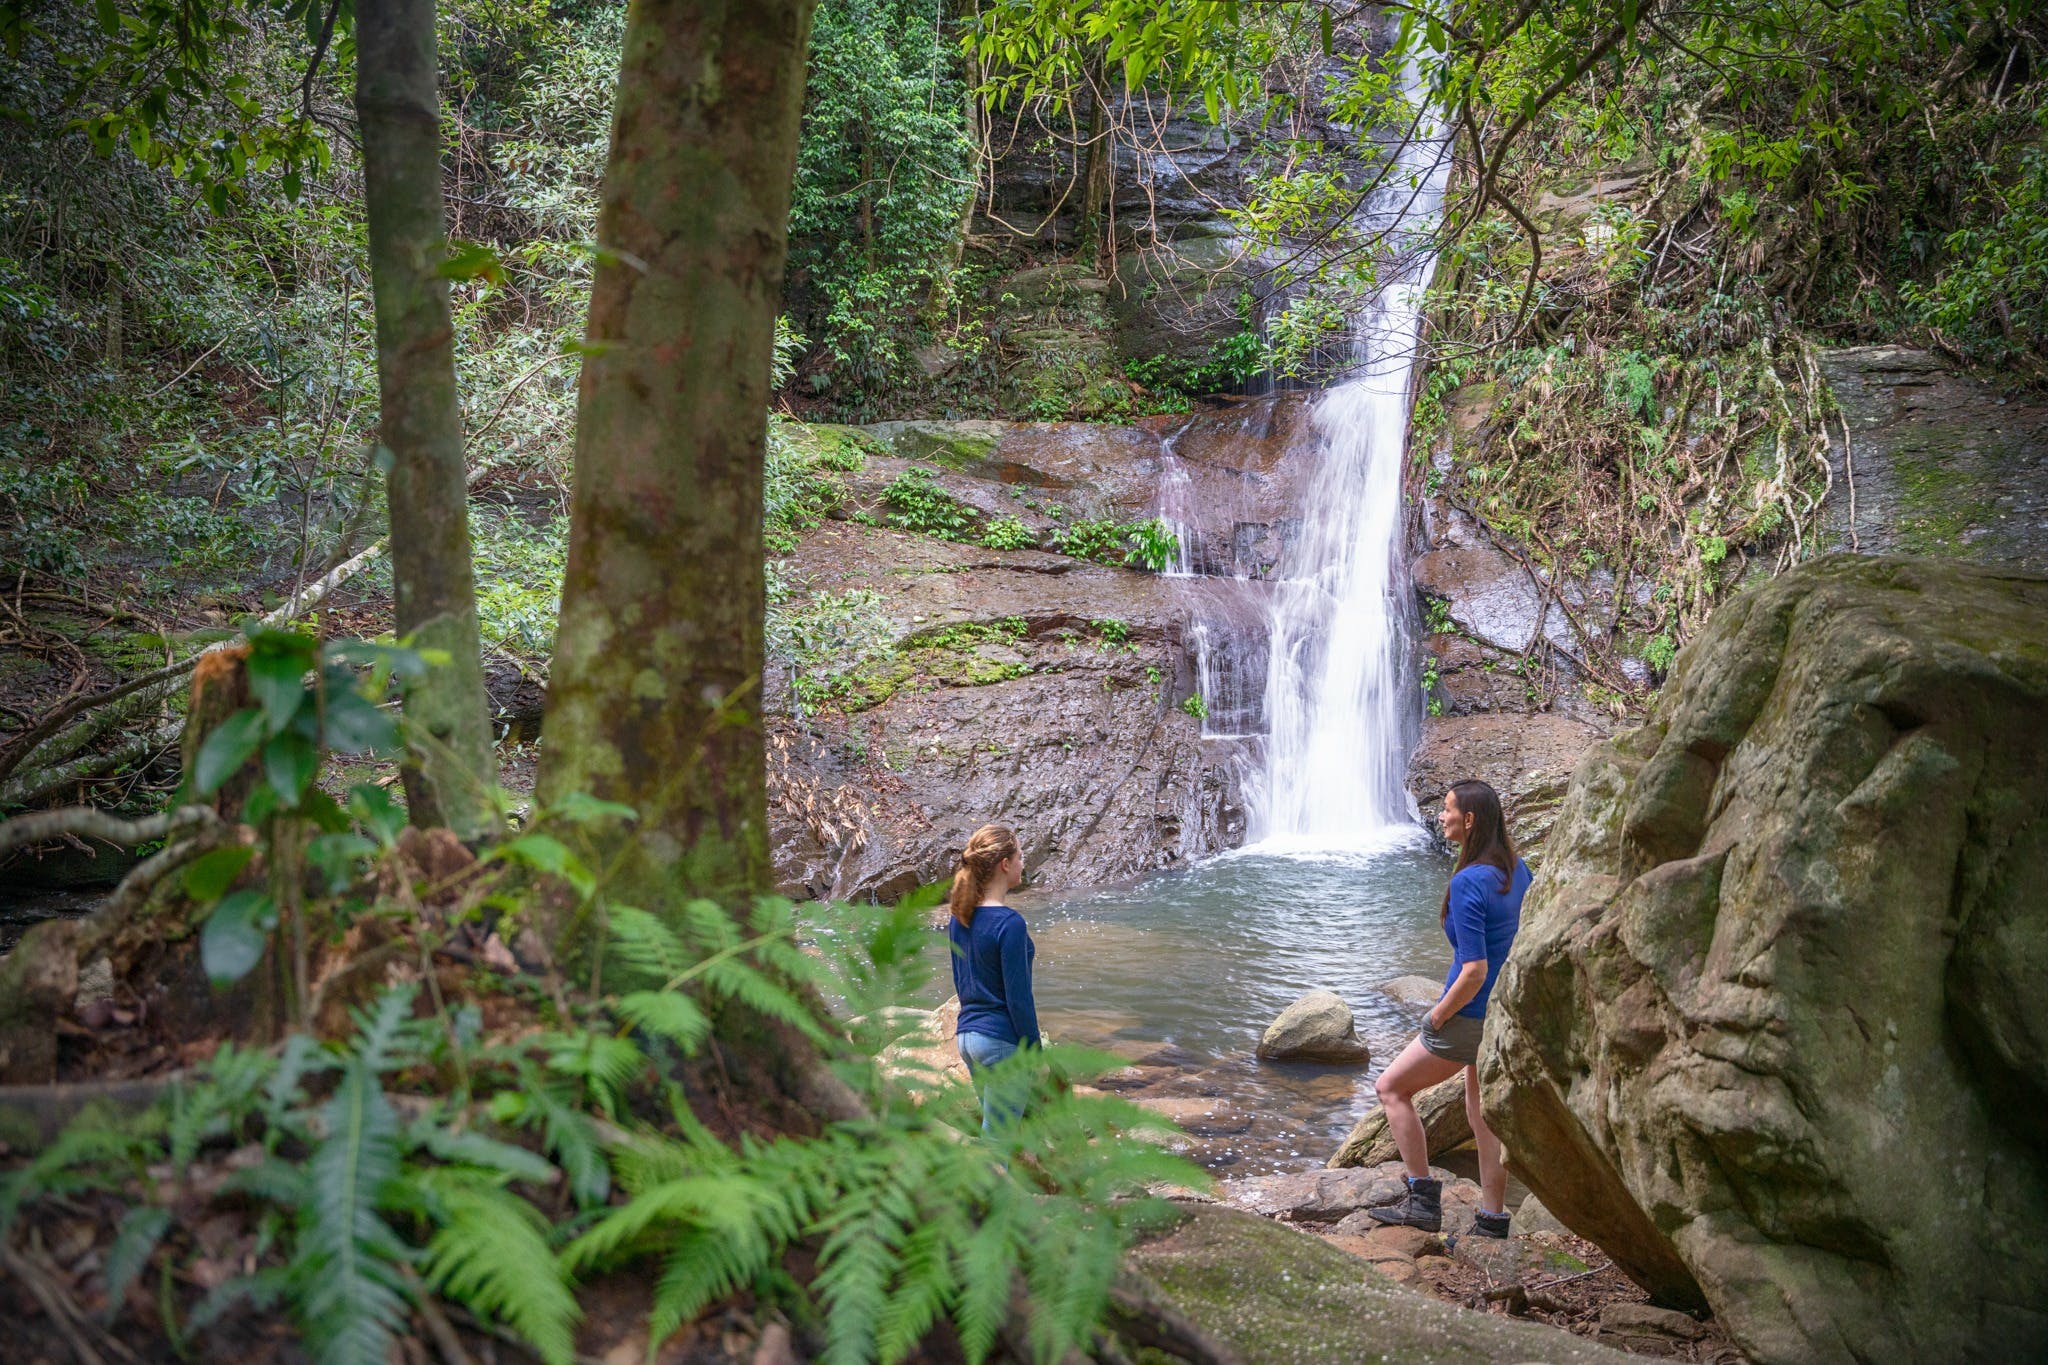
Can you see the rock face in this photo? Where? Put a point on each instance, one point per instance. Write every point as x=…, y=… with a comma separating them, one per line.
x=1444, y=1122
x=1315, y=1028
x=1775, y=1029
x=1528, y=759
x=1019, y=686
x=1943, y=464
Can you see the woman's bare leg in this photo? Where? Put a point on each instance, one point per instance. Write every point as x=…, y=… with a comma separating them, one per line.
x=1415, y=1070
x=1493, y=1176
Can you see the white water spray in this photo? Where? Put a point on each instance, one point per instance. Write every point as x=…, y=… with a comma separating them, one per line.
x=1340, y=702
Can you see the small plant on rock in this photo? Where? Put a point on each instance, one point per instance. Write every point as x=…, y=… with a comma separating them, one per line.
x=1008, y=533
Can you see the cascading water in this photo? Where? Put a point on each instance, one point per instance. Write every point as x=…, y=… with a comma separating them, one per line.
x=1339, y=701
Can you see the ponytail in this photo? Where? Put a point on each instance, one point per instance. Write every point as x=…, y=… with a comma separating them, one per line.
x=988, y=849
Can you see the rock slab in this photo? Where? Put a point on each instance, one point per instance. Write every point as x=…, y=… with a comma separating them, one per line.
x=1316, y=1028
x=1775, y=1029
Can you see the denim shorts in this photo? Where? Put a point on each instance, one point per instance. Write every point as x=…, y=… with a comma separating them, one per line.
x=1457, y=1040
x=980, y=1052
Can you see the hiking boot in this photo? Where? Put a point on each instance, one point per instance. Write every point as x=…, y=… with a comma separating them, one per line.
x=1422, y=1207
x=1494, y=1225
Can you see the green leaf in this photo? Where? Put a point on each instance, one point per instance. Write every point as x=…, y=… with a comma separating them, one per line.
x=289, y=762
x=1323, y=21
x=207, y=877
x=232, y=744
x=278, y=680
x=472, y=261
x=582, y=808
x=231, y=941
x=353, y=724
x=546, y=853
x=373, y=806
x=335, y=857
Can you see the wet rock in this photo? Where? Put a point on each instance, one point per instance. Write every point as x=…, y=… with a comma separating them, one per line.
x=1414, y=990
x=1775, y=1030
x=1489, y=596
x=1316, y=1196
x=1528, y=759
x=1444, y=1122
x=1278, y=1296
x=1316, y=1028
x=1944, y=464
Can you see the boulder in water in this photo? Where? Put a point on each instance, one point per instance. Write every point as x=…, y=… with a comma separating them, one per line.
x=1414, y=990
x=1775, y=1030
x=1315, y=1028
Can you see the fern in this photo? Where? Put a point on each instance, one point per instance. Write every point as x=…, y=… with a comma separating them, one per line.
x=491, y=1255
x=346, y=1275
x=142, y=1227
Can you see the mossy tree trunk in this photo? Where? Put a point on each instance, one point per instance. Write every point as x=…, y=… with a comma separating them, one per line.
x=450, y=771
x=654, y=693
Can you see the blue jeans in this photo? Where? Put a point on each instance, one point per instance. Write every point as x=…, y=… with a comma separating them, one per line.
x=980, y=1051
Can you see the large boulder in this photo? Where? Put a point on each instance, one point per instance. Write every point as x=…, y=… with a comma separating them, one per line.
x=1775, y=1030
x=1316, y=1028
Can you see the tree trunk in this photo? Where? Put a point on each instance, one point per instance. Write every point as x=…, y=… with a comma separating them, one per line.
x=450, y=770
x=654, y=693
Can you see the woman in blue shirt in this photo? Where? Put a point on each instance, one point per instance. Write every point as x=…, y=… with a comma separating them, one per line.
x=1482, y=908
x=992, y=954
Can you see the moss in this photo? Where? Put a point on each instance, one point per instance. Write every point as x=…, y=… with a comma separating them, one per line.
x=939, y=656
x=1938, y=503
x=1282, y=1296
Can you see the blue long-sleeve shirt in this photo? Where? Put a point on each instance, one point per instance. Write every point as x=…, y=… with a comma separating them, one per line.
x=1482, y=923
x=992, y=975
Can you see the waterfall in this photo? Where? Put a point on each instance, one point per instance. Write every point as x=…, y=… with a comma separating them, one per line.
x=1341, y=700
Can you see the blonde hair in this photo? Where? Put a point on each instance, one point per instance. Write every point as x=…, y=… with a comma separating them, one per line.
x=987, y=849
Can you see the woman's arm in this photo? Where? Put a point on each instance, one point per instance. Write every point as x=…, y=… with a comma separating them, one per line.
x=1015, y=947
x=1471, y=976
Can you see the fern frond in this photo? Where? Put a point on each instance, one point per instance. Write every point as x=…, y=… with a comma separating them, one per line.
x=142, y=1227
x=345, y=1268
x=608, y=1064
x=491, y=1255
x=986, y=1260
x=642, y=943
x=924, y=1285
x=745, y=1212
x=709, y=927
x=381, y=1040
x=666, y=1014
x=471, y=1148
x=302, y=1057
x=91, y=1153
x=738, y=980
x=569, y=1135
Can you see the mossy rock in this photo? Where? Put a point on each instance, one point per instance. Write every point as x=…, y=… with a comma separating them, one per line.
x=1278, y=1295
x=965, y=447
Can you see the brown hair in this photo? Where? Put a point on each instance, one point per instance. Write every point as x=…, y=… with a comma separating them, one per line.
x=988, y=848
x=1488, y=840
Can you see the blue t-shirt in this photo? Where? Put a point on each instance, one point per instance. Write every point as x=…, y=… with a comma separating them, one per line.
x=1482, y=923
x=992, y=975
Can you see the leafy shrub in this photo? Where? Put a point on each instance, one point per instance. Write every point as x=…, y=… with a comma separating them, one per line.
x=919, y=504
x=1195, y=705
x=1008, y=533
x=1130, y=544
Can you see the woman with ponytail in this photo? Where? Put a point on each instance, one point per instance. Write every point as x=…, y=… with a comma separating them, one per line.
x=1481, y=911
x=992, y=954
